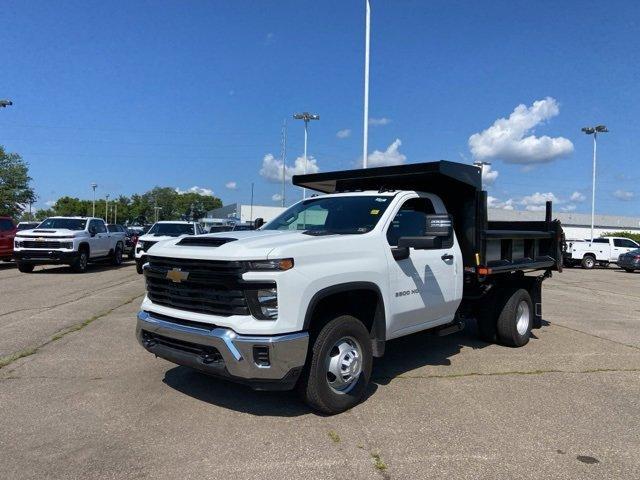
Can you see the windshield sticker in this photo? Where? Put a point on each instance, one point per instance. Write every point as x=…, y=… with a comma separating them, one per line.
x=374, y=212
x=383, y=200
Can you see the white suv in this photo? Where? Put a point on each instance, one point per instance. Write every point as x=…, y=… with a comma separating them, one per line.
x=160, y=231
x=73, y=241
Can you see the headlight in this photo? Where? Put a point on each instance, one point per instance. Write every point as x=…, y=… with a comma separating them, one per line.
x=263, y=303
x=18, y=244
x=66, y=245
x=279, y=264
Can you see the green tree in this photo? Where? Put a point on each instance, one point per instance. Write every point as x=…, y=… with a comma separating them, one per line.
x=626, y=234
x=72, y=206
x=15, y=189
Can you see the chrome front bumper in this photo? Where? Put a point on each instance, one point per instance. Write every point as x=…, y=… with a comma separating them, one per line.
x=222, y=352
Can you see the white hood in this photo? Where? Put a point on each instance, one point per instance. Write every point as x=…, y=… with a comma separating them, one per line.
x=51, y=233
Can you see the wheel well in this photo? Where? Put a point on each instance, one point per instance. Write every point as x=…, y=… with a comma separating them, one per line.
x=362, y=301
x=84, y=246
x=589, y=255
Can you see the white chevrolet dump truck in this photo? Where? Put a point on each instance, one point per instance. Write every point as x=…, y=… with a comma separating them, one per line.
x=310, y=298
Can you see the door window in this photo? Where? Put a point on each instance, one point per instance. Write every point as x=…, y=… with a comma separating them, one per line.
x=6, y=225
x=410, y=221
x=97, y=226
x=624, y=243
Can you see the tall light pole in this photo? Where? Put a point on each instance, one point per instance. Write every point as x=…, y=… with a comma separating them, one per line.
x=594, y=131
x=481, y=165
x=5, y=103
x=157, y=209
x=94, y=186
x=306, y=116
x=106, y=209
x=367, y=38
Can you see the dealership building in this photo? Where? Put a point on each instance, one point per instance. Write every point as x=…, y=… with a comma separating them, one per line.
x=577, y=226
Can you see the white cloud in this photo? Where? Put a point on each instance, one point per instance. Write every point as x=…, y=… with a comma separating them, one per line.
x=577, y=197
x=196, y=189
x=537, y=201
x=391, y=156
x=377, y=122
x=568, y=208
x=506, y=139
x=493, y=202
x=272, y=168
x=231, y=185
x=489, y=175
x=50, y=203
x=346, y=133
x=623, y=195
x=276, y=197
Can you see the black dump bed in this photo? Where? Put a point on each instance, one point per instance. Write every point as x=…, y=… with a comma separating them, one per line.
x=498, y=246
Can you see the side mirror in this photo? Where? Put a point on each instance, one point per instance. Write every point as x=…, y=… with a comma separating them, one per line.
x=258, y=222
x=420, y=243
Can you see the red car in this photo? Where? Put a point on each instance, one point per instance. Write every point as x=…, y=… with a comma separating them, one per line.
x=7, y=234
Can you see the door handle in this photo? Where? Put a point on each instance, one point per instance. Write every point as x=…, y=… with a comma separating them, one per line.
x=447, y=256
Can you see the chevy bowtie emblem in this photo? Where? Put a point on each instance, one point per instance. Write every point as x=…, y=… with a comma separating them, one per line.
x=176, y=275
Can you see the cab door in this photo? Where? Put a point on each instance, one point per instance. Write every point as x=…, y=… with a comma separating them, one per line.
x=621, y=246
x=423, y=286
x=7, y=234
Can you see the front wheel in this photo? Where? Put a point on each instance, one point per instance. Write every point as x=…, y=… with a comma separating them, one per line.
x=25, y=267
x=79, y=265
x=630, y=270
x=139, y=267
x=339, y=367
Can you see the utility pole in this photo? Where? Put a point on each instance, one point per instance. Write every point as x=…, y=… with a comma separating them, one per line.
x=157, y=209
x=94, y=186
x=115, y=212
x=106, y=209
x=251, y=206
x=594, y=131
x=365, y=136
x=283, y=156
x=306, y=116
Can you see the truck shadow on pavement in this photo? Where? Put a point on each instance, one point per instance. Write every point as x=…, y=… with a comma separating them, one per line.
x=403, y=356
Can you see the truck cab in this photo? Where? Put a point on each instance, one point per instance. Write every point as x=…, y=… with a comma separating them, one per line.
x=311, y=297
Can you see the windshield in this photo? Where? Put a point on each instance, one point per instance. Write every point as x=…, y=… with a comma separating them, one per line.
x=26, y=226
x=171, y=229
x=327, y=215
x=68, y=223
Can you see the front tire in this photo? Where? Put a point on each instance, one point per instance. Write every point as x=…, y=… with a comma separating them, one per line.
x=25, y=267
x=339, y=368
x=630, y=270
x=516, y=319
x=79, y=265
x=139, y=267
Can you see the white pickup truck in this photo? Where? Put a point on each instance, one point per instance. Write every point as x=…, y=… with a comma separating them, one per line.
x=602, y=251
x=163, y=230
x=310, y=298
x=73, y=241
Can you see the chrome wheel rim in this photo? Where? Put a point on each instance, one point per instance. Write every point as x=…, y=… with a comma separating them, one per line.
x=118, y=256
x=589, y=262
x=83, y=261
x=344, y=365
x=523, y=315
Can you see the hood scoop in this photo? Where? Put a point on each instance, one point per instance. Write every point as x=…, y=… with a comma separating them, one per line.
x=205, y=241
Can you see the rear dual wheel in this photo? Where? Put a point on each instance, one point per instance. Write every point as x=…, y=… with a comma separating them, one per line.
x=507, y=319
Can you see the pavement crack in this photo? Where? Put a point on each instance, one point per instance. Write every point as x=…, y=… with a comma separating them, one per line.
x=66, y=302
x=512, y=372
x=26, y=352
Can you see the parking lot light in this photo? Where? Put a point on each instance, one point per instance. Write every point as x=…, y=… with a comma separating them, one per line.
x=594, y=131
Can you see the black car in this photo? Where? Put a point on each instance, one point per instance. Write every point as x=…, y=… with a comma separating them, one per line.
x=630, y=261
x=129, y=242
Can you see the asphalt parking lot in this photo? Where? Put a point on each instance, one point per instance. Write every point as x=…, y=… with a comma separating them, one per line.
x=80, y=399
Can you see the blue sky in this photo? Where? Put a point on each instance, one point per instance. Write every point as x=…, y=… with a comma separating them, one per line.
x=193, y=93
